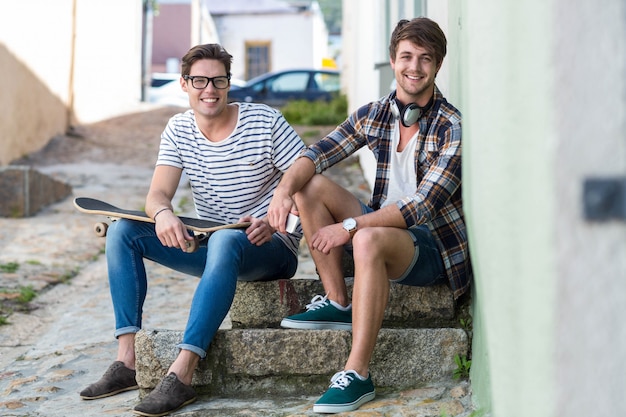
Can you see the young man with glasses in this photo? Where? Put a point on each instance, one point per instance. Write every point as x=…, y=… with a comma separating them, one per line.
x=412, y=231
x=234, y=156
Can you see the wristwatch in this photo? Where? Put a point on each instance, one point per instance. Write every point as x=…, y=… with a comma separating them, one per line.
x=349, y=225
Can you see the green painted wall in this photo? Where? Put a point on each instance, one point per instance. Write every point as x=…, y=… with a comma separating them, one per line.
x=508, y=133
x=542, y=88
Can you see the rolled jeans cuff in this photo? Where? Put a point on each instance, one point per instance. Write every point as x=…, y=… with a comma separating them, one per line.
x=192, y=348
x=126, y=330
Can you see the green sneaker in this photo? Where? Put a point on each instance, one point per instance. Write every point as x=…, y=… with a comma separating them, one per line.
x=320, y=314
x=347, y=392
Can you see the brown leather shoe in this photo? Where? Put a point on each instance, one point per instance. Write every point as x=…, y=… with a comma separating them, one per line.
x=118, y=378
x=169, y=395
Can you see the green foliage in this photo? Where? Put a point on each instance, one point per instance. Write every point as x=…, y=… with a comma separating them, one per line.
x=309, y=134
x=17, y=299
x=26, y=294
x=466, y=324
x=316, y=113
x=68, y=275
x=9, y=267
x=463, y=367
x=96, y=255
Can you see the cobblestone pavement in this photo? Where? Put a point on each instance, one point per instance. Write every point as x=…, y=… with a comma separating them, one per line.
x=61, y=341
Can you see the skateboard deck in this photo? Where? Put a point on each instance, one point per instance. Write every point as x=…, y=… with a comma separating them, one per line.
x=95, y=206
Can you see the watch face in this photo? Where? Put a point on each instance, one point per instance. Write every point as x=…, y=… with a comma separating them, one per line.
x=349, y=224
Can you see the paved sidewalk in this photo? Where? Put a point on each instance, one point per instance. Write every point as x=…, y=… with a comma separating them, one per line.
x=49, y=354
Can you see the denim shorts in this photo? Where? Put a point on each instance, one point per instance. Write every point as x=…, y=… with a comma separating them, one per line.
x=426, y=268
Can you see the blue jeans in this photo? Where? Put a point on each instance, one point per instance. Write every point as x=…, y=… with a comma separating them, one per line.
x=220, y=261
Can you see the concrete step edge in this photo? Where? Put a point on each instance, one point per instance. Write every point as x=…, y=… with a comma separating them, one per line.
x=265, y=304
x=300, y=362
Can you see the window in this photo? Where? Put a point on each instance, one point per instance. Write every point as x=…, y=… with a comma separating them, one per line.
x=327, y=82
x=295, y=81
x=257, y=59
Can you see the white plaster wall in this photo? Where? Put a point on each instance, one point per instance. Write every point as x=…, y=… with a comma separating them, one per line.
x=203, y=28
x=362, y=26
x=32, y=38
x=320, y=39
x=107, y=74
x=40, y=95
x=34, y=62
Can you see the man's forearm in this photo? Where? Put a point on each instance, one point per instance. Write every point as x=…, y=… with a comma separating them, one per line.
x=156, y=202
x=296, y=177
x=389, y=216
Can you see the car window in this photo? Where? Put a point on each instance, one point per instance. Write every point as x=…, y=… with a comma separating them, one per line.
x=158, y=82
x=327, y=82
x=158, y=79
x=258, y=87
x=293, y=81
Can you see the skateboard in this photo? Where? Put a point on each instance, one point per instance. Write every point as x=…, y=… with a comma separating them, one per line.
x=201, y=227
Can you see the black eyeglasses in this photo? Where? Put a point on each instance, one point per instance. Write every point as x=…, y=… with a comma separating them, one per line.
x=200, y=82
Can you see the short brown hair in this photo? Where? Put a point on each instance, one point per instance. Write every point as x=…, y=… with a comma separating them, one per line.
x=206, y=51
x=422, y=32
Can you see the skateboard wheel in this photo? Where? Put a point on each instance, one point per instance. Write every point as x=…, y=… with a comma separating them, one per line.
x=193, y=245
x=100, y=229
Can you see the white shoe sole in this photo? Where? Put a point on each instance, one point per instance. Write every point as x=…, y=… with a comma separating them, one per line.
x=341, y=408
x=315, y=325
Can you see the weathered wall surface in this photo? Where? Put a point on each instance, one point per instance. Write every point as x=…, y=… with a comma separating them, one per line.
x=62, y=63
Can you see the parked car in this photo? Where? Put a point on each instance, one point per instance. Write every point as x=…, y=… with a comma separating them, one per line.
x=165, y=89
x=279, y=87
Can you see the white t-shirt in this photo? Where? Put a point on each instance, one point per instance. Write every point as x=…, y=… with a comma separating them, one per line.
x=236, y=176
x=402, y=179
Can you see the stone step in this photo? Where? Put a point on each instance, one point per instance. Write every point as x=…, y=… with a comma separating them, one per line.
x=300, y=362
x=265, y=304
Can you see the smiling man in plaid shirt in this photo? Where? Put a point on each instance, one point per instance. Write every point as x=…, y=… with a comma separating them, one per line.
x=412, y=231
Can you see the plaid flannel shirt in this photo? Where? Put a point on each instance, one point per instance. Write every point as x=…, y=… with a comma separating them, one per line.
x=437, y=201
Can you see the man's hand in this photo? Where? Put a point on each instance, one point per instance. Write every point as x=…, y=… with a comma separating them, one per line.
x=171, y=231
x=280, y=207
x=259, y=232
x=329, y=237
